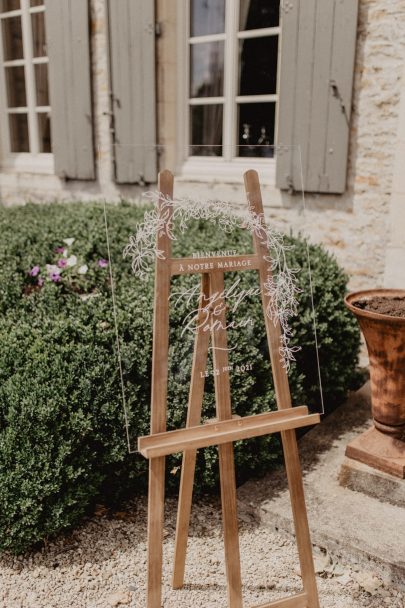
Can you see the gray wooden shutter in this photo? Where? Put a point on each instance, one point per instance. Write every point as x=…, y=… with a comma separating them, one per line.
x=132, y=61
x=67, y=28
x=316, y=78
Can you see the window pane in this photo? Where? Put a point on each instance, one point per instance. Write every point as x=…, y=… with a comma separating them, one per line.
x=256, y=129
x=207, y=69
x=258, y=65
x=41, y=84
x=19, y=141
x=38, y=35
x=12, y=38
x=255, y=14
x=44, y=132
x=206, y=130
x=15, y=84
x=207, y=17
x=9, y=5
x=37, y=2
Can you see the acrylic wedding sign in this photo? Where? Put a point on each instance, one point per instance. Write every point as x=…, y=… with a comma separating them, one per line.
x=227, y=337
x=225, y=301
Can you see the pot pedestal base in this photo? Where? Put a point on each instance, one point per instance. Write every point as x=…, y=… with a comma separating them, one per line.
x=379, y=451
x=359, y=477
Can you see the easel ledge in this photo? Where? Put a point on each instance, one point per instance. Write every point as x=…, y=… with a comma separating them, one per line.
x=164, y=444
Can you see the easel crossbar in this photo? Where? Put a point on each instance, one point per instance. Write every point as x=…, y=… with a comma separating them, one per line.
x=226, y=431
x=295, y=601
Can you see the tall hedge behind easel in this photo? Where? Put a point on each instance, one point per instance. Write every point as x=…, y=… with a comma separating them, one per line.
x=226, y=428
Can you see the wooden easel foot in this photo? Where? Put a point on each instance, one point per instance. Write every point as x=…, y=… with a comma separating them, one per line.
x=295, y=601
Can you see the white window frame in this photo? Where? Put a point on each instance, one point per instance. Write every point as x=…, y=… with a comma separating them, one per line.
x=227, y=168
x=34, y=161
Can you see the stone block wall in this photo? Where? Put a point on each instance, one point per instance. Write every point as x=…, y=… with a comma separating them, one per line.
x=355, y=226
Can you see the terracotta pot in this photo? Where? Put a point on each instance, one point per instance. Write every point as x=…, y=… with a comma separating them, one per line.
x=385, y=339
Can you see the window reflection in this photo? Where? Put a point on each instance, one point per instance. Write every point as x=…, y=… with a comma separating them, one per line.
x=206, y=130
x=207, y=69
x=207, y=17
x=258, y=66
x=41, y=84
x=44, y=132
x=38, y=35
x=19, y=140
x=256, y=129
x=12, y=38
x=15, y=85
x=9, y=5
x=255, y=14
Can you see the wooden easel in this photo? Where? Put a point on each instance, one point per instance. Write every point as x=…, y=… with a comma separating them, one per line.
x=224, y=429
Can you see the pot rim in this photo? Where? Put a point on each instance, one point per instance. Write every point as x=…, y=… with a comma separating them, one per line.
x=368, y=294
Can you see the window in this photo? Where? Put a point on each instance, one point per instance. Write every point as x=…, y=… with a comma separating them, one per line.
x=24, y=77
x=232, y=84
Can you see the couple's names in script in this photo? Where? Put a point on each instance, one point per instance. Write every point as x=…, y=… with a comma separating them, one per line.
x=206, y=312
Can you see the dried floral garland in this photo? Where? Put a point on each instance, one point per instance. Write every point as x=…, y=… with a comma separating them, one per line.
x=280, y=285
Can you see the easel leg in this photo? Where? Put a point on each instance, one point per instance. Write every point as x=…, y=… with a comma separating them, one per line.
x=293, y=467
x=226, y=456
x=156, y=494
x=283, y=397
x=230, y=523
x=155, y=530
x=183, y=517
x=189, y=457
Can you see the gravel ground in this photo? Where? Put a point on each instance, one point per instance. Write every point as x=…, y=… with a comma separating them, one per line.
x=103, y=564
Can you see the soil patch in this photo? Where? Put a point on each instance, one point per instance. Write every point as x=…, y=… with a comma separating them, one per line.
x=394, y=306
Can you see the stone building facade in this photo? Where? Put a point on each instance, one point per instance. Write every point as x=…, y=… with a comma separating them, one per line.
x=364, y=226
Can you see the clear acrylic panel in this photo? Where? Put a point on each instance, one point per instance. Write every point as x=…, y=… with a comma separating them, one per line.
x=213, y=221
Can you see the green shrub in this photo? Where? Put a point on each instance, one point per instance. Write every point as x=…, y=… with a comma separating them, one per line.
x=62, y=429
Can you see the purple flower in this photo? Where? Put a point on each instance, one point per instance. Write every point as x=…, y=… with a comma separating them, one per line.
x=54, y=276
x=62, y=262
x=60, y=250
x=103, y=263
x=40, y=281
x=34, y=271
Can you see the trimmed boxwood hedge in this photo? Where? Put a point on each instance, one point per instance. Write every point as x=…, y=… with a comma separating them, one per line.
x=62, y=431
